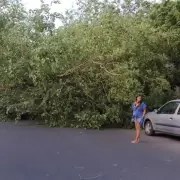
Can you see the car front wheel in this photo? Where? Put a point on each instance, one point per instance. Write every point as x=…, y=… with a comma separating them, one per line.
x=149, y=128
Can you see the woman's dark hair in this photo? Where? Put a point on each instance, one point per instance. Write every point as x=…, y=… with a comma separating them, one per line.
x=139, y=96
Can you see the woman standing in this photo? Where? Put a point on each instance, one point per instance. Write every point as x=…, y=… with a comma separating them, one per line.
x=139, y=111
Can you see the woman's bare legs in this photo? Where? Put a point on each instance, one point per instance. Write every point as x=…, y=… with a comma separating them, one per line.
x=138, y=130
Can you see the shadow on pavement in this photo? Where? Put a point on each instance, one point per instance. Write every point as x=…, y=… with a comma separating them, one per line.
x=167, y=136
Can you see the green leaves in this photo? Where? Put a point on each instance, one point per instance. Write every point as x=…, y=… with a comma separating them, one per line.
x=89, y=71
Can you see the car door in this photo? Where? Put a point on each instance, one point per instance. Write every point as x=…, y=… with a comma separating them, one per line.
x=165, y=115
x=176, y=121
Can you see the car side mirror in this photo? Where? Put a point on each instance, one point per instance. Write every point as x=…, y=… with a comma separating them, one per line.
x=155, y=110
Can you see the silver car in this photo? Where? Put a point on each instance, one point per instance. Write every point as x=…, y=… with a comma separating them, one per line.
x=166, y=119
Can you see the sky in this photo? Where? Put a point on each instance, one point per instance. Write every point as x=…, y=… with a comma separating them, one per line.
x=65, y=4
x=60, y=8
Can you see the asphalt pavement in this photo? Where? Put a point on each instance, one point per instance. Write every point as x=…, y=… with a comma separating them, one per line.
x=29, y=152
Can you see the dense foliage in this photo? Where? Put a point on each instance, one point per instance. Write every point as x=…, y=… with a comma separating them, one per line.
x=87, y=72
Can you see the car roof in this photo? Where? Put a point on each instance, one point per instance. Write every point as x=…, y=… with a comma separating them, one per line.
x=175, y=100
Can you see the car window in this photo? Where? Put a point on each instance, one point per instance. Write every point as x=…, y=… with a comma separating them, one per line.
x=178, y=111
x=169, y=108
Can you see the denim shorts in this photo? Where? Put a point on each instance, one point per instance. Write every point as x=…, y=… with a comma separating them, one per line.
x=136, y=120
